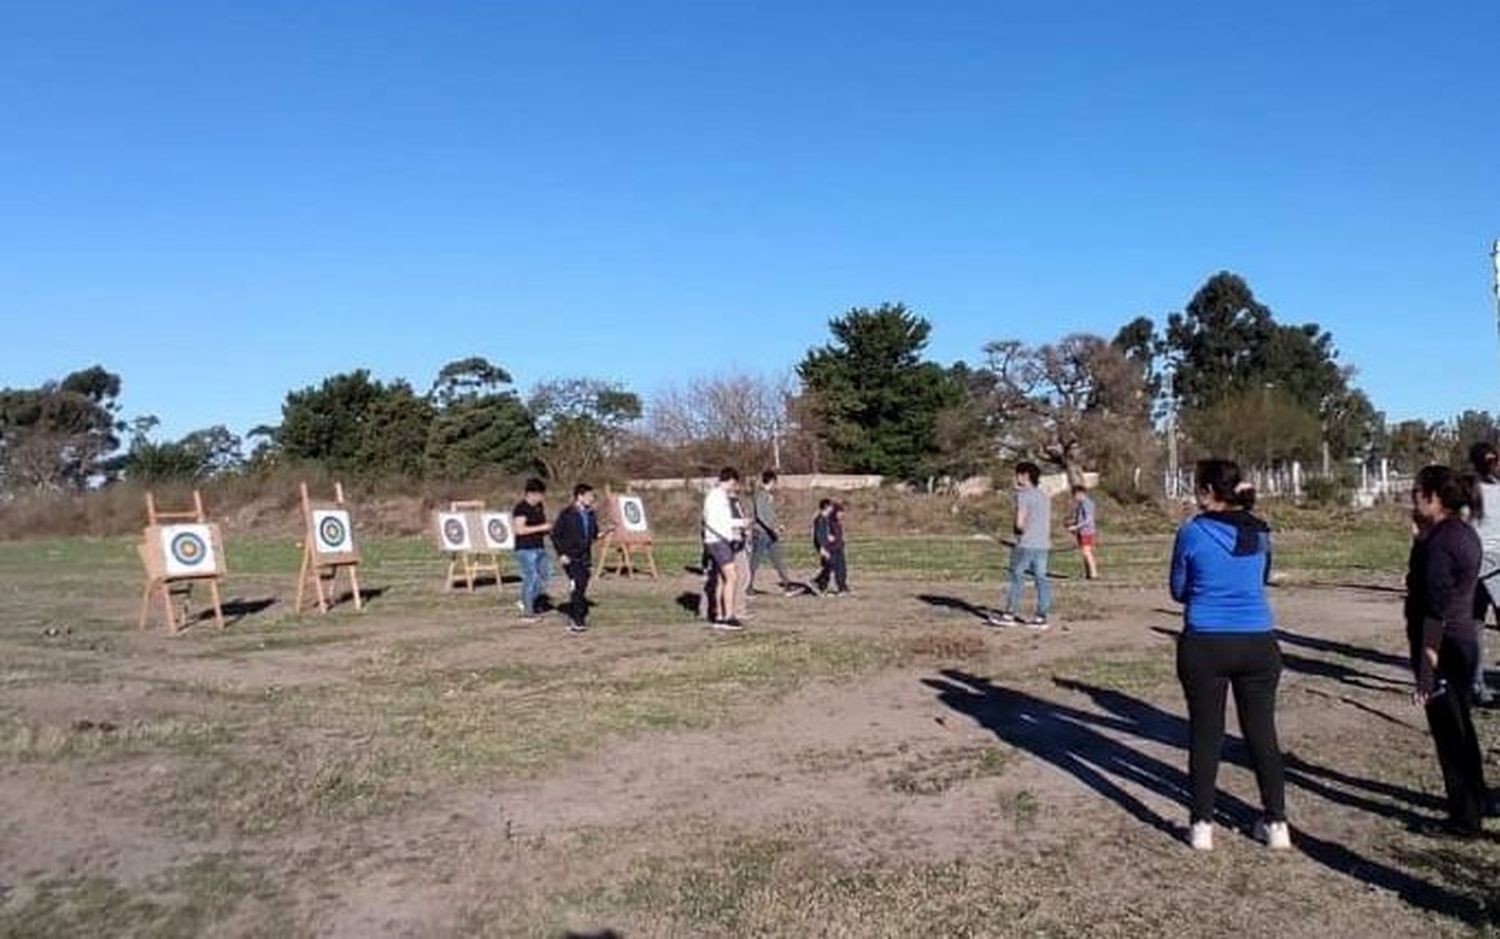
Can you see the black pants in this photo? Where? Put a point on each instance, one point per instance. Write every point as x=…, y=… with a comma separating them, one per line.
x=579, y=571
x=835, y=567
x=1208, y=664
x=1449, y=717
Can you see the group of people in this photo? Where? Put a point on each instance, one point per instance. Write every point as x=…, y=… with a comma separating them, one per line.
x=1221, y=564
x=737, y=543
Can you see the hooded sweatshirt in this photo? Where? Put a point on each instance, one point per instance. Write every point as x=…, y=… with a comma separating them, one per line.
x=1219, y=568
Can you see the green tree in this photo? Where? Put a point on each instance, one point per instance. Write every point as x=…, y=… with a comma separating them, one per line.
x=354, y=424
x=478, y=423
x=199, y=455
x=583, y=425
x=876, y=398
x=60, y=436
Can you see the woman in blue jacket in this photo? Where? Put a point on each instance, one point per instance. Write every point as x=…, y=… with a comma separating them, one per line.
x=1220, y=565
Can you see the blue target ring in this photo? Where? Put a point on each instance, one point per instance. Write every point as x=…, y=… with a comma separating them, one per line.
x=498, y=531
x=453, y=532
x=188, y=549
x=332, y=532
x=633, y=514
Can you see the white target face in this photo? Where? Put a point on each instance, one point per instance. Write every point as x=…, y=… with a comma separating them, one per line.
x=633, y=514
x=333, y=532
x=453, y=531
x=188, y=550
x=498, y=531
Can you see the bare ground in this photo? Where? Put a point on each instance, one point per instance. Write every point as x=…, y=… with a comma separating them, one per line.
x=881, y=765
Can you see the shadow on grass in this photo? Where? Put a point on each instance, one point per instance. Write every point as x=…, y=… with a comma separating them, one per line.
x=236, y=610
x=365, y=596
x=1072, y=740
x=956, y=603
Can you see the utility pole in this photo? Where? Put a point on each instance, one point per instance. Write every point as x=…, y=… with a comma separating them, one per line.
x=776, y=445
x=1173, y=471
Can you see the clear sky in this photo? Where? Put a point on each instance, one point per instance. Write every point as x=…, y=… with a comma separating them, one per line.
x=223, y=201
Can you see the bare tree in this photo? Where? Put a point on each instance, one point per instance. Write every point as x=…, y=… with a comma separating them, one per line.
x=725, y=419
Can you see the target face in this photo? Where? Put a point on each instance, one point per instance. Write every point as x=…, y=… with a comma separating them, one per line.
x=498, y=533
x=453, y=531
x=633, y=514
x=333, y=532
x=188, y=550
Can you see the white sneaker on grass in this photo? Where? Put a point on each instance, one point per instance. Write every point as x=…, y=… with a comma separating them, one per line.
x=1201, y=836
x=1274, y=835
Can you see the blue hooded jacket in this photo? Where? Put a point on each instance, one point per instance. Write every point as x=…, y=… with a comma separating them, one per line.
x=1220, y=565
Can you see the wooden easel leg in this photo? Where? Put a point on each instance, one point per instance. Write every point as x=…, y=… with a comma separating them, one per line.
x=213, y=593
x=469, y=571
x=651, y=559
x=166, y=605
x=145, y=605
x=629, y=560
x=603, y=560
x=359, y=603
x=452, y=565
x=302, y=582
x=318, y=586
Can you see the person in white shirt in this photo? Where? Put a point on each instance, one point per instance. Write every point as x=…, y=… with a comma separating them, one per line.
x=724, y=539
x=1486, y=524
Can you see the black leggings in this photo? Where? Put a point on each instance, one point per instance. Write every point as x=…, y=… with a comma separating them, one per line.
x=1207, y=665
x=1452, y=724
x=836, y=567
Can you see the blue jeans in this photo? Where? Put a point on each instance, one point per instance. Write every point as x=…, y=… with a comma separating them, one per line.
x=1033, y=562
x=536, y=570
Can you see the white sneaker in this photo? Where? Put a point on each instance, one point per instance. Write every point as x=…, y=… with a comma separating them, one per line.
x=1275, y=835
x=1201, y=836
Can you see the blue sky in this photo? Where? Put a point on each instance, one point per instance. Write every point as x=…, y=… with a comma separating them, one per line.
x=223, y=201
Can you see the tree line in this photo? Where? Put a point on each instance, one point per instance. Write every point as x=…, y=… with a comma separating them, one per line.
x=1236, y=381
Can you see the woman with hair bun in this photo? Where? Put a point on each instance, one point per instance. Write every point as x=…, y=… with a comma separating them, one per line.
x=1220, y=564
x=1441, y=578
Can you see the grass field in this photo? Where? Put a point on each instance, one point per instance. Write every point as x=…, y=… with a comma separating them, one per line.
x=883, y=765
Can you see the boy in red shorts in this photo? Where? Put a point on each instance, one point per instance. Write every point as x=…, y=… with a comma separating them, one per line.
x=1085, y=528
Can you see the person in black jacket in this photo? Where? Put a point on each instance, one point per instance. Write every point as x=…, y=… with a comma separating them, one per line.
x=828, y=538
x=573, y=535
x=1442, y=574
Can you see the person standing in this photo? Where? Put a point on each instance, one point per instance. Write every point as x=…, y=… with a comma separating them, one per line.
x=1219, y=570
x=828, y=539
x=1486, y=522
x=529, y=520
x=765, y=543
x=1442, y=574
x=721, y=532
x=1030, y=554
x=573, y=535
x=1085, y=529
x=740, y=606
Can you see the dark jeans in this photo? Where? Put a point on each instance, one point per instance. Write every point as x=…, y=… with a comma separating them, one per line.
x=1452, y=724
x=1208, y=664
x=836, y=567
x=1483, y=602
x=579, y=571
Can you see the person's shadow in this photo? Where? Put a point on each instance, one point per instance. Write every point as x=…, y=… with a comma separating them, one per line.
x=1071, y=740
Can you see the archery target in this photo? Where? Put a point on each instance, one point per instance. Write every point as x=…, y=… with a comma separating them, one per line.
x=633, y=515
x=498, y=531
x=188, y=550
x=333, y=532
x=453, y=531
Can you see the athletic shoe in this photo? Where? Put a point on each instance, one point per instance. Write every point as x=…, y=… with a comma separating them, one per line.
x=577, y=629
x=1002, y=619
x=727, y=625
x=521, y=605
x=528, y=619
x=1274, y=835
x=1038, y=623
x=1201, y=836
x=791, y=592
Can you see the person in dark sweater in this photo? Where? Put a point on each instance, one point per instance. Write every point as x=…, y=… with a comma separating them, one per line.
x=828, y=539
x=1442, y=574
x=1219, y=569
x=573, y=535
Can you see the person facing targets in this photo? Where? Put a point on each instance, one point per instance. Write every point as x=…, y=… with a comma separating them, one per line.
x=1085, y=529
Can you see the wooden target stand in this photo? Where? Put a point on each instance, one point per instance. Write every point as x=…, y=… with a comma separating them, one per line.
x=178, y=550
x=464, y=566
x=622, y=540
x=327, y=548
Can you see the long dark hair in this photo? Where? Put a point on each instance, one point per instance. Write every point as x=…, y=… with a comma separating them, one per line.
x=1224, y=480
x=1485, y=460
x=1454, y=491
